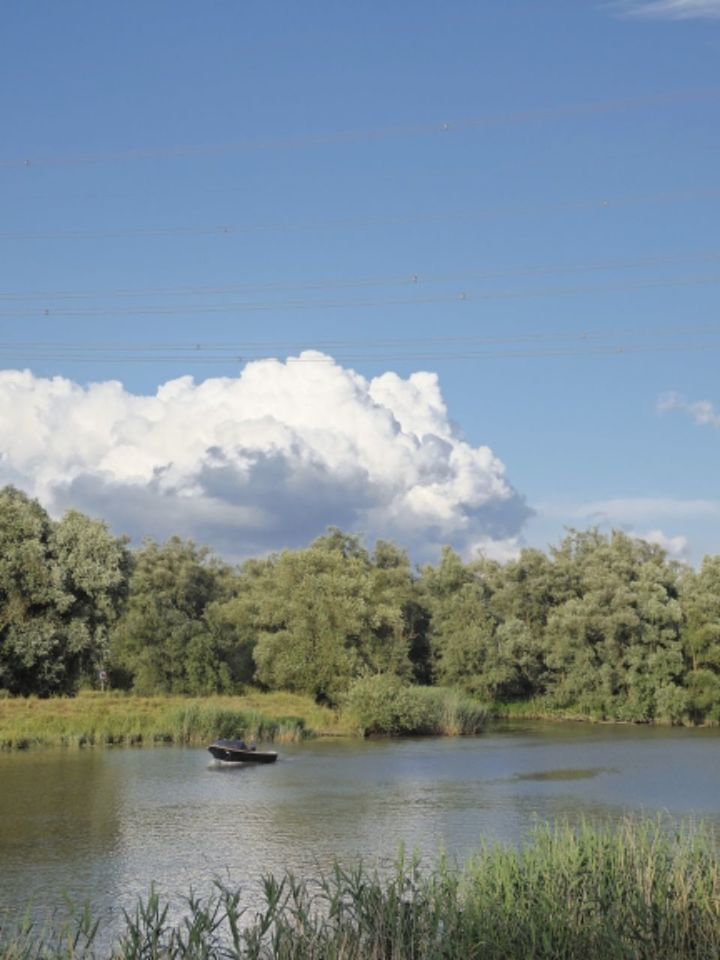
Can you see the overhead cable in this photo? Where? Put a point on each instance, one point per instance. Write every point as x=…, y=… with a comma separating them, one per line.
x=268, y=306
x=468, y=215
x=307, y=140
x=418, y=279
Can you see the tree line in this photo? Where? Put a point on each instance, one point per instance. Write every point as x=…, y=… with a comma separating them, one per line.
x=604, y=625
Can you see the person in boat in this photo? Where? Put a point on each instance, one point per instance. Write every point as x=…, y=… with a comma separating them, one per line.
x=253, y=744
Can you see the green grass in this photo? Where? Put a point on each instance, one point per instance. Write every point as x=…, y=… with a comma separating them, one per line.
x=103, y=719
x=636, y=892
x=543, y=708
x=540, y=709
x=93, y=718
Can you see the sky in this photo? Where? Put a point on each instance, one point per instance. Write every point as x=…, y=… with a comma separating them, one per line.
x=439, y=273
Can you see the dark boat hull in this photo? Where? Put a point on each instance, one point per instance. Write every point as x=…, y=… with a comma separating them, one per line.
x=229, y=753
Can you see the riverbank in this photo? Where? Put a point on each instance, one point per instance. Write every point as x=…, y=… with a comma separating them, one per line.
x=541, y=709
x=103, y=719
x=112, y=718
x=639, y=890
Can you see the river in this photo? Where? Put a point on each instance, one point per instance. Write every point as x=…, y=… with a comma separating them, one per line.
x=100, y=825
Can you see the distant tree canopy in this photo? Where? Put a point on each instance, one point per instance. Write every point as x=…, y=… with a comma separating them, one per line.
x=62, y=586
x=605, y=625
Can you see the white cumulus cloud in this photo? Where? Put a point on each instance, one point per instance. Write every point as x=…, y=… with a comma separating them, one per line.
x=672, y=9
x=676, y=547
x=262, y=461
x=702, y=411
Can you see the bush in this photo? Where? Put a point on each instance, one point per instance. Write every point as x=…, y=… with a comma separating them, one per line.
x=384, y=704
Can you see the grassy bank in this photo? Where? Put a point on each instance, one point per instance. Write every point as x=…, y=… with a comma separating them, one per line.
x=540, y=708
x=631, y=893
x=111, y=718
x=95, y=718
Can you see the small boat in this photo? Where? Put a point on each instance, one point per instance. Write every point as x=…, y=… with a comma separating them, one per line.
x=237, y=751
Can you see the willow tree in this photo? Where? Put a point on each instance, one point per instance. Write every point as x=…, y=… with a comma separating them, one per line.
x=614, y=647
x=61, y=588
x=163, y=642
x=327, y=614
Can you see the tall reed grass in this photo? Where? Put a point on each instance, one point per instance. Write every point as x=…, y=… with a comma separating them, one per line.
x=383, y=704
x=637, y=892
x=118, y=719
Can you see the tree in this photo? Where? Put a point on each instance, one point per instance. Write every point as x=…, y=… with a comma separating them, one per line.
x=163, y=640
x=463, y=628
x=95, y=569
x=327, y=614
x=61, y=587
x=613, y=649
x=701, y=639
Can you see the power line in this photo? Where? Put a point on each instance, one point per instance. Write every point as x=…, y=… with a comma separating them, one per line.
x=408, y=348
x=417, y=279
x=269, y=306
x=305, y=140
x=667, y=197
x=432, y=357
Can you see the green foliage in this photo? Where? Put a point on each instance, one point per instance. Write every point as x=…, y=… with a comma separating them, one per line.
x=163, y=640
x=634, y=892
x=615, y=646
x=102, y=719
x=603, y=626
x=478, y=643
x=325, y=615
x=595, y=629
x=61, y=587
x=384, y=704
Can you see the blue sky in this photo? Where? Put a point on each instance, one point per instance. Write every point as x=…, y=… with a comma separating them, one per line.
x=545, y=170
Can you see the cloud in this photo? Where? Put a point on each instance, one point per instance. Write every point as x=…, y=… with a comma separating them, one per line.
x=262, y=461
x=702, y=411
x=676, y=547
x=632, y=510
x=643, y=517
x=500, y=550
x=672, y=9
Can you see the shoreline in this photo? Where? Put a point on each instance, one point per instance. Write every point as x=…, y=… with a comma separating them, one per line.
x=119, y=719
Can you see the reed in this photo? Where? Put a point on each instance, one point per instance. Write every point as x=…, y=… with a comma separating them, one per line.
x=384, y=705
x=539, y=708
x=639, y=891
x=377, y=705
x=103, y=719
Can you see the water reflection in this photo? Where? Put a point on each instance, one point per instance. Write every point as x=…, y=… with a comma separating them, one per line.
x=582, y=774
x=59, y=826
x=101, y=825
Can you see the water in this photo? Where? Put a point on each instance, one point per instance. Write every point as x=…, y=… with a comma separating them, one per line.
x=100, y=825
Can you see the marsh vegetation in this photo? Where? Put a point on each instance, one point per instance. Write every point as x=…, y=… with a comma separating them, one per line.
x=636, y=892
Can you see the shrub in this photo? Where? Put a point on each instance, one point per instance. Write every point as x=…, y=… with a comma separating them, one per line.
x=384, y=704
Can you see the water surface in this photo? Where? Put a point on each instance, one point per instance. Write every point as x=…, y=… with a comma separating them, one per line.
x=100, y=825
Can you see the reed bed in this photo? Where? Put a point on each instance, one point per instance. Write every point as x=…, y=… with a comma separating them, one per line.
x=634, y=892
x=543, y=708
x=384, y=705
x=103, y=719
